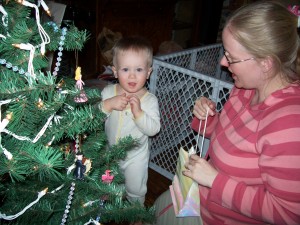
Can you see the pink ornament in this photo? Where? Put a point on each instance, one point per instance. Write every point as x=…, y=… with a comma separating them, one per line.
x=107, y=178
x=79, y=85
x=81, y=98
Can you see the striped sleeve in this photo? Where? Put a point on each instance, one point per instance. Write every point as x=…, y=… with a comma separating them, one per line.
x=277, y=199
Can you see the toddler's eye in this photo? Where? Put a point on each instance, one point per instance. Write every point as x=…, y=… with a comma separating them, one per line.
x=139, y=69
x=125, y=69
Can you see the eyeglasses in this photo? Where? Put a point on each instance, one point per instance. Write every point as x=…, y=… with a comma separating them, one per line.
x=237, y=61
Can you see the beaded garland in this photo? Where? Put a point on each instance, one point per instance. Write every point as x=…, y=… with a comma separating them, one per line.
x=60, y=48
x=68, y=206
x=21, y=71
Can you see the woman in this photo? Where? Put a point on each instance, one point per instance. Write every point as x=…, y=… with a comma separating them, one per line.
x=253, y=172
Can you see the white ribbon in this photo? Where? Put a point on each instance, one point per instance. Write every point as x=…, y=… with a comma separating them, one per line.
x=38, y=136
x=12, y=217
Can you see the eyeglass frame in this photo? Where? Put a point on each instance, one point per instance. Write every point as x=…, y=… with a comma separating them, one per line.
x=234, y=62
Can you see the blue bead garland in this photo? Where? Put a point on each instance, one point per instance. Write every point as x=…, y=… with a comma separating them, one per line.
x=21, y=71
x=60, y=49
x=14, y=68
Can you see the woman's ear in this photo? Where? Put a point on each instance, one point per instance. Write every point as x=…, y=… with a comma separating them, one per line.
x=267, y=64
x=114, y=69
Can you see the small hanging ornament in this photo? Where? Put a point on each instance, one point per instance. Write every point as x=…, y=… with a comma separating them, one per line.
x=79, y=85
x=78, y=78
x=107, y=178
x=82, y=166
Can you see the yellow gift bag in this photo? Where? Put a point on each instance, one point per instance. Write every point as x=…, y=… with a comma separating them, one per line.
x=184, y=191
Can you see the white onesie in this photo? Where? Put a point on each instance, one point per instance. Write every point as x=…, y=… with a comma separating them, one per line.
x=122, y=123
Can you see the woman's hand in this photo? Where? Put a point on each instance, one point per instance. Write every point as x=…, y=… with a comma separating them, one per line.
x=201, y=106
x=200, y=171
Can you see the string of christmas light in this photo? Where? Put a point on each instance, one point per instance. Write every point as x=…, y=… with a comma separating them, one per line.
x=30, y=70
x=4, y=19
x=69, y=202
x=92, y=221
x=40, y=195
x=12, y=217
x=101, y=205
x=44, y=36
x=57, y=189
x=5, y=121
x=89, y=203
x=21, y=71
x=45, y=7
x=7, y=153
x=37, y=137
x=3, y=124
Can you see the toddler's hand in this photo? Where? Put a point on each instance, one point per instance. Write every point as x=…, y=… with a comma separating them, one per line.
x=135, y=105
x=118, y=103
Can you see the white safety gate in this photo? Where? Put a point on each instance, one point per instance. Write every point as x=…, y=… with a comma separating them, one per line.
x=177, y=80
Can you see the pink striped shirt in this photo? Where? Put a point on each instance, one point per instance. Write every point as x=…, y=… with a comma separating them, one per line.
x=256, y=150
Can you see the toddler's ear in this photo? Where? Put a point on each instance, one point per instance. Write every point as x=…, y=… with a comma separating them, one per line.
x=149, y=72
x=114, y=69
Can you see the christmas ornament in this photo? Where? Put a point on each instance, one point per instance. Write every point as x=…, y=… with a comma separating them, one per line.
x=107, y=178
x=79, y=85
x=82, y=166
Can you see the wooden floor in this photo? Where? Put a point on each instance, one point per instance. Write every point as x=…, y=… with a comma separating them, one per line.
x=156, y=185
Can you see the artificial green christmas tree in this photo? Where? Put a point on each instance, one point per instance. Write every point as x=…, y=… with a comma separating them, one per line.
x=55, y=164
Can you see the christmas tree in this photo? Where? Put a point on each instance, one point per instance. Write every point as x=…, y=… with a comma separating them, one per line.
x=55, y=164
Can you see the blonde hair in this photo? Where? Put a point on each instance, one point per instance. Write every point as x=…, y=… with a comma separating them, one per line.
x=268, y=29
x=134, y=43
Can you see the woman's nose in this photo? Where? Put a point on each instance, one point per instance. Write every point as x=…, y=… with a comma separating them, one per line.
x=224, y=62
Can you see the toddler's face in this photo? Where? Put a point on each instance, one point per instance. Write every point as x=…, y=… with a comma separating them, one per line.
x=132, y=70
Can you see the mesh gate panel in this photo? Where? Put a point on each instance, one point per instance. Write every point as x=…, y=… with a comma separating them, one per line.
x=177, y=88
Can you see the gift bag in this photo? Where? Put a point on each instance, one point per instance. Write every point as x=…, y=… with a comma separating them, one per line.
x=184, y=191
